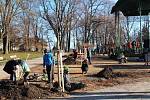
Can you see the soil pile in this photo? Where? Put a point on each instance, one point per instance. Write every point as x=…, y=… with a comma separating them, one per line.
x=72, y=86
x=8, y=90
x=75, y=86
x=108, y=73
x=70, y=61
x=32, y=91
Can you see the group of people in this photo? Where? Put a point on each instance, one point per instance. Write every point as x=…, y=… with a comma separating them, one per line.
x=14, y=67
x=18, y=67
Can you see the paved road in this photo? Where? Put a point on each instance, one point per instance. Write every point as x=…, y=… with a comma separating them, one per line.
x=137, y=91
x=31, y=63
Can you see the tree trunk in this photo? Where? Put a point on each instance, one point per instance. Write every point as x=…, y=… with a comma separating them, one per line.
x=5, y=44
x=66, y=42
x=69, y=33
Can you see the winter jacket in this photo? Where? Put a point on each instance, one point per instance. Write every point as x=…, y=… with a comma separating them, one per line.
x=25, y=67
x=10, y=66
x=47, y=59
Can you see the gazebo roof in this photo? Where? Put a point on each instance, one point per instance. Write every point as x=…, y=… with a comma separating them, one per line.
x=132, y=7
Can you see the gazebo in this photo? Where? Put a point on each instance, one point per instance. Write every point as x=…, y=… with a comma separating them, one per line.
x=131, y=8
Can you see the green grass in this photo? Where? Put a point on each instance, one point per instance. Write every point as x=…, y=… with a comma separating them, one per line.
x=22, y=55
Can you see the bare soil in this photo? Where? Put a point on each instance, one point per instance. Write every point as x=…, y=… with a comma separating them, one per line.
x=94, y=82
x=96, y=78
x=9, y=90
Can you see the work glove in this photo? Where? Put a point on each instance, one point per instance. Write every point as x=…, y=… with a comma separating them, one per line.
x=44, y=70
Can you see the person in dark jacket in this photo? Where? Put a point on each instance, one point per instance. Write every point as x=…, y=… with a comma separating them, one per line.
x=10, y=68
x=47, y=64
x=84, y=66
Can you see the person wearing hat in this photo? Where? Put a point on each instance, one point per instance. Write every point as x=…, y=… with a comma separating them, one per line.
x=47, y=64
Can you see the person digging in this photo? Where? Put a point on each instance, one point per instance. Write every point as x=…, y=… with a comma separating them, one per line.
x=25, y=69
x=11, y=68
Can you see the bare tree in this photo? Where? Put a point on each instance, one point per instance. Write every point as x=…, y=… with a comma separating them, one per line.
x=9, y=9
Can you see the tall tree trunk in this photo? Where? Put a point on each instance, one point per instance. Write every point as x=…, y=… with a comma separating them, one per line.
x=69, y=35
x=67, y=41
x=5, y=44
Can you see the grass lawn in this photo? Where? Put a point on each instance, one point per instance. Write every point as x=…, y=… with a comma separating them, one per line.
x=22, y=55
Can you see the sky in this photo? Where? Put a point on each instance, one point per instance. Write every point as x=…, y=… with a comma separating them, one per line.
x=114, y=0
x=72, y=45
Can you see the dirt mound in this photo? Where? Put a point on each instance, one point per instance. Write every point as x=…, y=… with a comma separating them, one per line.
x=105, y=73
x=70, y=61
x=8, y=90
x=108, y=73
x=73, y=86
x=32, y=91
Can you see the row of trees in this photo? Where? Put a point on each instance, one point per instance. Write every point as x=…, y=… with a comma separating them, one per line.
x=70, y=21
